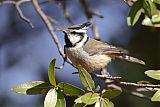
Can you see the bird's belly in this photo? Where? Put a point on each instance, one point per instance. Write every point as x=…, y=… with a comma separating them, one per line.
x=88, y=62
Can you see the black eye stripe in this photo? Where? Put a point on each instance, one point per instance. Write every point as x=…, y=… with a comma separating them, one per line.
x=76, y=33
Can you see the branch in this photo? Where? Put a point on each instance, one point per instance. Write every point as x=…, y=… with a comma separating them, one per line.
x=139, y=85
x=89, y=14
x=50, y=29
x=65, y=11
x=17, y=4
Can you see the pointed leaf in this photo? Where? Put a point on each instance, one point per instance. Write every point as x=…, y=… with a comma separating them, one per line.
x=156, y=96
x=149, y=8
x=98, y=104
x=61, y=102
x=31, y=88
x=88, y=98
x=153, y=74
x=70, y=89
x=51, y=98
x=134, y=13
x=86, y=79
x=97, y=88
x=106, y=103
x=79, y=105
x=51, y=73
x=156, y=1
x=111, y=93
x=154, y=22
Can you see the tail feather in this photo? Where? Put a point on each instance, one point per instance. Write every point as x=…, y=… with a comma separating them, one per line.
x=132, y=59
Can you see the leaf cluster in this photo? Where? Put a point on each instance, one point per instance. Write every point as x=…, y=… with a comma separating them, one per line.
x=147, y=7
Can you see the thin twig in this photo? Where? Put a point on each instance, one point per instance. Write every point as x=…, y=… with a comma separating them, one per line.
x=101, y=76
x=139, y=85
x=53, y=21
x=65, y=11
x=107, y=77
x=50, y=29
x=89, y=14
x=21, y=13
x=17, y=5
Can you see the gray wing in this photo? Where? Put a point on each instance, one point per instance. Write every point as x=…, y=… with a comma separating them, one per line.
x=93, y=47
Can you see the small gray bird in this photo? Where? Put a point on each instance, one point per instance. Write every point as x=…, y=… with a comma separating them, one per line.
x=89, y=53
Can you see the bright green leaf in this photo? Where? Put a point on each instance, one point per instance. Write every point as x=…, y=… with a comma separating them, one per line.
x=156, y=96
x=61, y=102
x=51, y=98
x=106, y=103
x=86, y=79
x=51, y=73
x=88, y=98
x=150, y=8
x=98, y=104
x=154, y=22
x=111, y=104
x=134, y=13
x=153, y=74
x=70, y=89
x=156, y=1
x=31, y=88
x=97, y=88
x=111, y=93
x=79, y=105
x=156, y=19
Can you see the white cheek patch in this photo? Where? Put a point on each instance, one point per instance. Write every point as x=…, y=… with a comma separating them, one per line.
x=74, y=39
x=80, y=31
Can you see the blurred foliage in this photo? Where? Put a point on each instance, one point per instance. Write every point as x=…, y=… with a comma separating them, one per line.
x=150, y=10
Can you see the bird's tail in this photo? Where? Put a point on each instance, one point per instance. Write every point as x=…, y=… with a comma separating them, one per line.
x=131, y=59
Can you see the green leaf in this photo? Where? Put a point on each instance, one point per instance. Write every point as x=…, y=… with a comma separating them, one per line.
x=79, y=105
x=51, y=73
x=106, y=103
x=111, y=93
x=134, y=13
x=31, y=88
x=61, y=102
x=156, y=19
x=86, y=79
x=154, y=22
x=149, y=8
x=153, y=74
x=70, y=89
x=156, y=96
x=98, y=104
x=156, y=1
x=88, y=98
x=97, y=88
x=51, y=98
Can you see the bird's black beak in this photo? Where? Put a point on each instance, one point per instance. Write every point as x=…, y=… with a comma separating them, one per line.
x=64, y=32
x=87, y=24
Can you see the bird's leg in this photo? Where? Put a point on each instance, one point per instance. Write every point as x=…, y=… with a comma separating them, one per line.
x=62, y=66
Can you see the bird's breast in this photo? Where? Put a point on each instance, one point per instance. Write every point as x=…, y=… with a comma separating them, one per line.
x=89, y=62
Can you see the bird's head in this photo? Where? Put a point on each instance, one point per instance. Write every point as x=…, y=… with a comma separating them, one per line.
x=76, y=34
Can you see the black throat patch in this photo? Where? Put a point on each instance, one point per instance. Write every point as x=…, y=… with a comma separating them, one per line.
x=67, y=41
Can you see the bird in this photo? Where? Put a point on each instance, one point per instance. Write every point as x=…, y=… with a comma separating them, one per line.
x=90, y=53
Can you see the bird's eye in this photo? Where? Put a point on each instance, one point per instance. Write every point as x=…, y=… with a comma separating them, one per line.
x=77, y=33
x=73, y=32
